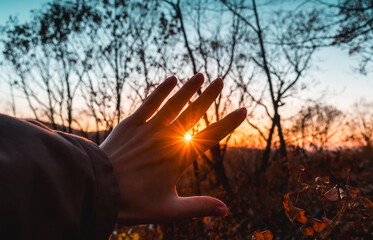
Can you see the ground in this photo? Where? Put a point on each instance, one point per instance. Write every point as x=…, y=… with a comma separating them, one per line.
x=322, y=194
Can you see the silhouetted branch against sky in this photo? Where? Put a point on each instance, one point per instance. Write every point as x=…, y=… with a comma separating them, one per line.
x=96, y=61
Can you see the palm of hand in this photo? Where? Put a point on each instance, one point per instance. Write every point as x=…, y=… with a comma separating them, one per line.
x=148, y=156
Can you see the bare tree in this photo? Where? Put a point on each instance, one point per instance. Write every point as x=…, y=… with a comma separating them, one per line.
x=315, y=125
x=16, y=51
x=352, y=24
x=145, y=16
x=116, y=41
x=284, y=51
x=360, y=123
x=46, y=60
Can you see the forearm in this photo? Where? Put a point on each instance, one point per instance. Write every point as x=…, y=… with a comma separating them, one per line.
x=53, y=185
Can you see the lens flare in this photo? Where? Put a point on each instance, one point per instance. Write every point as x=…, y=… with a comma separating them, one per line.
x=187, y=137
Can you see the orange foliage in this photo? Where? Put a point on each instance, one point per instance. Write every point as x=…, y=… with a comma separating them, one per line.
x=265, y=235
x=319, y=225
x=293, y=213
x=307, y=230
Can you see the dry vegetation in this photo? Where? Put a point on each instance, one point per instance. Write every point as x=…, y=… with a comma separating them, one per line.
x=315, y=195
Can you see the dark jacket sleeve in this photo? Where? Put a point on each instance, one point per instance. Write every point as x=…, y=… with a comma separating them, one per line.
x=53, y=185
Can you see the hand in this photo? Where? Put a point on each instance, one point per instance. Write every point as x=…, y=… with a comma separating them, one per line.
x=149, y=154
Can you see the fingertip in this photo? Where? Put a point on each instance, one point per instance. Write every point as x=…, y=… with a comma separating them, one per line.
x=199, y=75
x=243, y=111
x=198, y=78
x=218, y=208
x=218, y=82
x=200, y=206
x=221, y=211
x=171, y=81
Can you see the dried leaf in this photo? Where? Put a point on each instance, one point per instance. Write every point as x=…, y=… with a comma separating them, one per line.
x=307, y=230
x=265, y=235
x=135, y=236
x=123, y=236
x=305, y=186
x=300, y=215
x=342, y=193
x=332, y=195
x=319, y=225
x=293, y=213
x=322, y=180
x=287, y=202
x=353, y=191
x=160, y=233
x=207, y=220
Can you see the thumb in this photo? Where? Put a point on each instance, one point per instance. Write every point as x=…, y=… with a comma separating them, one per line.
x=199, y=206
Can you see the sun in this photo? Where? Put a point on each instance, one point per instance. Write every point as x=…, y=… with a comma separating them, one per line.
x=187, y=137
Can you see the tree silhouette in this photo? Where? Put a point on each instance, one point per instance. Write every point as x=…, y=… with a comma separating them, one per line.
x=360, y=123
x=283, y=54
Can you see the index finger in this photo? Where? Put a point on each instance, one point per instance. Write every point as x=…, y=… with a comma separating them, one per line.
x=176, y=103
x=154, y=100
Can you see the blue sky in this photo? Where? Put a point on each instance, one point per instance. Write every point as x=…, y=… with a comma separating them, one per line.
x=332, y=68
x=20, y=8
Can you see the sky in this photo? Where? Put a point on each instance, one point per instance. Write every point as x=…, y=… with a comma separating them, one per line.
x=332, y=68
x=335, y=71
x=20, y=8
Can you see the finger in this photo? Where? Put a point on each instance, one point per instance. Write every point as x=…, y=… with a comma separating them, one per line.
x=175, y=104
x=154, y=100
x=200, y=206
x=211, y=135
x=196, y=110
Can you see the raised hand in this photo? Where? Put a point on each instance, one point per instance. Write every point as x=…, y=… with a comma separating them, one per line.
x=149, y=154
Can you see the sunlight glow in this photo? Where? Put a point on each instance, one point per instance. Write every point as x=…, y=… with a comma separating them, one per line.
x=188, y=137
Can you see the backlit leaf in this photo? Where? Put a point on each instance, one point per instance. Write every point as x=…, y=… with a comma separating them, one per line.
x=135, y=236
x=319, y=225
x=287, y=202
x=265, y=235
x=160, y=233
x=307, y=230
x=322, y=180
x=293, y=213
x=342, y=193
x=332, y=195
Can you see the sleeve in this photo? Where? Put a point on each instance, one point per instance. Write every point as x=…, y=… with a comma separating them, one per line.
x=53, y=185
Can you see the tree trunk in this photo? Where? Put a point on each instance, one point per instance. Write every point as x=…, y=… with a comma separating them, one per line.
x=218, y=166
x=267, y=150
x=69, y=115
x=196, y=175
x=283, y=150
x=97, y=133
